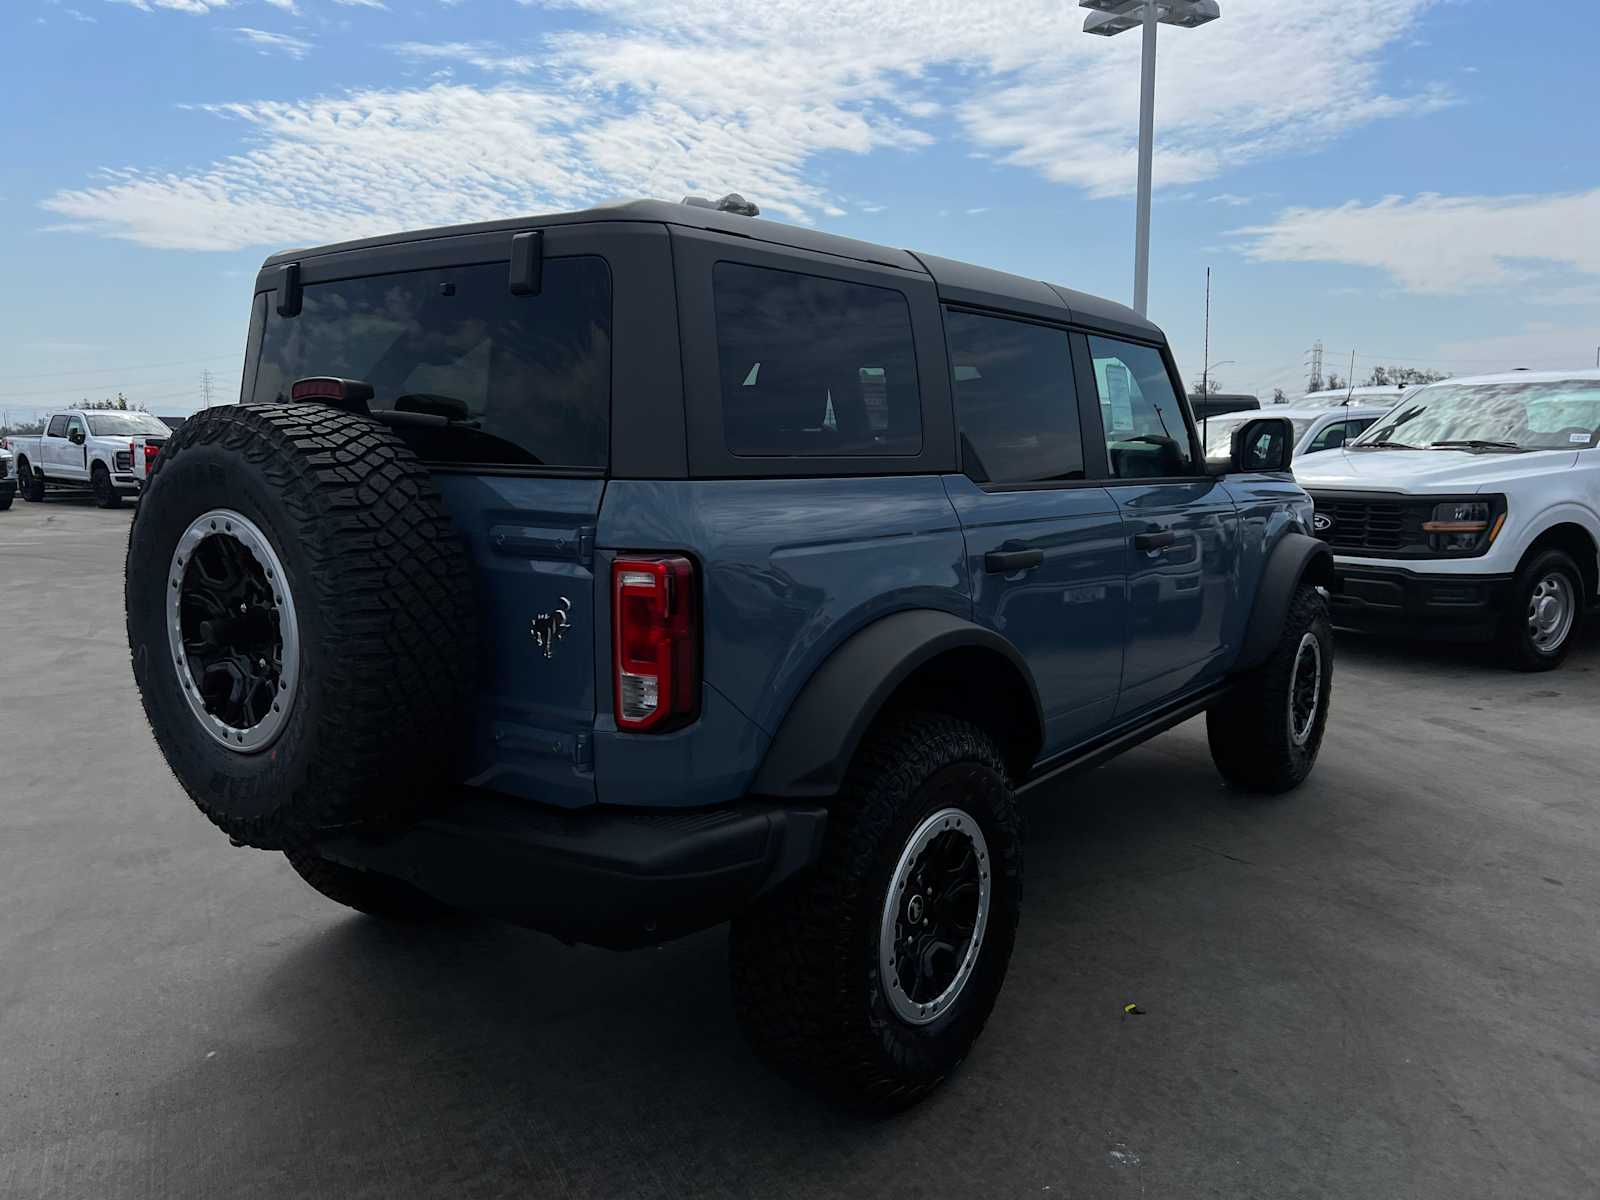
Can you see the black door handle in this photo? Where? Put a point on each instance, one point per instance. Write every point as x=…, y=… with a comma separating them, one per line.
x=1000, y=562
x=1154, y=541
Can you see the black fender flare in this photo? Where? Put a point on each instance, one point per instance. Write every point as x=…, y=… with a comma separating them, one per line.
x=819, y=735
x=1297, y=558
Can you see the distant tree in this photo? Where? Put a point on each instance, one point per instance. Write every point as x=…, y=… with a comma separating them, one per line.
x=1403, y=376
x=120, y=404
x=1210, y=388
x=22, y=428
x=1278, y=397
x=1334, y=383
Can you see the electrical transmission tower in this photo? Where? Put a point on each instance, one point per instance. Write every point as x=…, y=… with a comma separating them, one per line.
x=205, y=386
x=1314, y=384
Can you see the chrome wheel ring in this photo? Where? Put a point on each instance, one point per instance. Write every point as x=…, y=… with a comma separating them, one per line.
x=934, y=916
x=232, y=631
x=1551, y=609
x=1305, y=689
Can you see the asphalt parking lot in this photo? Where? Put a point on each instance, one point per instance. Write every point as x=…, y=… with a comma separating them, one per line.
x=1384, y=985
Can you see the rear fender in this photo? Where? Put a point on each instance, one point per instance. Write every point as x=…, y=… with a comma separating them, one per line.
x=824, y=726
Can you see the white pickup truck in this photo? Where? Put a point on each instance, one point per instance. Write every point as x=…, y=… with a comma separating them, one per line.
x=110, y=452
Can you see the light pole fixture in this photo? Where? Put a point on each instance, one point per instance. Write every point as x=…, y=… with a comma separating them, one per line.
x=1109, y=18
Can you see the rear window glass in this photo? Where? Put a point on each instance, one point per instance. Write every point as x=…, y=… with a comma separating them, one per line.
x=814, y=367
x=522, y=380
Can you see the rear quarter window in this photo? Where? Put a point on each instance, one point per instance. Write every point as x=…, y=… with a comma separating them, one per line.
x=814, y=367
x=526, y=379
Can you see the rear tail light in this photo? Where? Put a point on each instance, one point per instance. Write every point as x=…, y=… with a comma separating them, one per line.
x=151, y=453
x=656, y=651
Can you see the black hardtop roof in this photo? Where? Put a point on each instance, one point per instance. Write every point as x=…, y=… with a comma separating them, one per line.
x=959, y=282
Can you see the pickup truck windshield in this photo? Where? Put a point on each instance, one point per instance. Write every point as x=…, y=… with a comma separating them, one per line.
x=1562, y=415
x=126, y=424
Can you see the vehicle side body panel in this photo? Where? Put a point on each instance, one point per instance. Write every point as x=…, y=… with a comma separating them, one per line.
x=790, y=568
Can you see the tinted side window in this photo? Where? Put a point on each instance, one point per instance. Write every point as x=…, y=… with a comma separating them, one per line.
x=811, y=366
x=58, y=427
x=1331, y=437
x=527, y=377
x=1015, y=400
x=1146, y=437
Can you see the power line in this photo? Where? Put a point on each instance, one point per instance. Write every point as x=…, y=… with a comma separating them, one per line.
x=178, y=362
x=90, y=387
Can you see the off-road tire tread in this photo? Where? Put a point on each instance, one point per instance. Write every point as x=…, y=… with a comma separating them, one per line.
x=794, y=959
x=1248, y=731
x=392, y=580
x=376, y=895
x=31, y=483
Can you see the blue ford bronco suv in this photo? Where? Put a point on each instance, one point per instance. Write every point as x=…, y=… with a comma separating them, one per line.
x=622, y=572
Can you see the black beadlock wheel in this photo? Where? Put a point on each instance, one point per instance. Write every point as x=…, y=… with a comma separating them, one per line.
x=1266, y=733
x=870, y=978
x=301, y=622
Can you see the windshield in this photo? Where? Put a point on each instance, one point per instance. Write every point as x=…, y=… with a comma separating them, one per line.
x=125, y=424
x=1219, y=431
x=1564, y=415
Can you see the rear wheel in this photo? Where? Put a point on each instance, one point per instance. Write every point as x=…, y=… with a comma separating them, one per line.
x=1541, y=622
x=31, y=481
x=105, y=492
x=376, y=895
x=1265, y=735
x=871, y=978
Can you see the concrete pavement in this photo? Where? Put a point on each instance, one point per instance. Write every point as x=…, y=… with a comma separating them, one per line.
x=1384, y=985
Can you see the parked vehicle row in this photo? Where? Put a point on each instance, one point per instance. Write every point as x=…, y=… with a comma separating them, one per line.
x=515, y=587
x=8, y=478
x=108, y=453
x=1471, y=510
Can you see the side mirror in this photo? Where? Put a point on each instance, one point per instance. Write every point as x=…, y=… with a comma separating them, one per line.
x=76, y=437
x=1265, y=444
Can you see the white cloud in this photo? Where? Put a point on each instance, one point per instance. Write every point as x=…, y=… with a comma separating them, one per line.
x=1228, y=198
x=281, y=43
x=708, y=96
x=362, y=3
x=1444, y=244
x=197, y=7
x=287, y=6
x=484, y=55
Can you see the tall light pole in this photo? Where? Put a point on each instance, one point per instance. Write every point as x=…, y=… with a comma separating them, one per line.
x=1109, y=18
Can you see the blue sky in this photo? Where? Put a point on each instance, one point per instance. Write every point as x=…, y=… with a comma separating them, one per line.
x=1414, y=180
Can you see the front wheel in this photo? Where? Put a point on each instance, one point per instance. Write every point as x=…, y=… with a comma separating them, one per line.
x=5, y=500
x=1265, y=735
x=871, y=979
x=105, y=492
x=1541, y=622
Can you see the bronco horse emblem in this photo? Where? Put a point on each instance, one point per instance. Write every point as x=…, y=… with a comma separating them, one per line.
x=548, y=628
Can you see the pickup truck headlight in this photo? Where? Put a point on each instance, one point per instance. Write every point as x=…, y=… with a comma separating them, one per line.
x=1464, y=526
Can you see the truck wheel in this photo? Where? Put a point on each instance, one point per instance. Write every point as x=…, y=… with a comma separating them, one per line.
x=301, y=621
x=872, y=977
x=105, y=492
x=1541, y=622
x=31, y=481
x=376, y=895
x=1266, y=733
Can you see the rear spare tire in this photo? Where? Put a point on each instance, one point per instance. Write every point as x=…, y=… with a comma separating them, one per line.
x=301, y=622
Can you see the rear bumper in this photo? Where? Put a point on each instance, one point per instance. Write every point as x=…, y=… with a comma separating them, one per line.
x=1437, y=607
x=609, y=877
